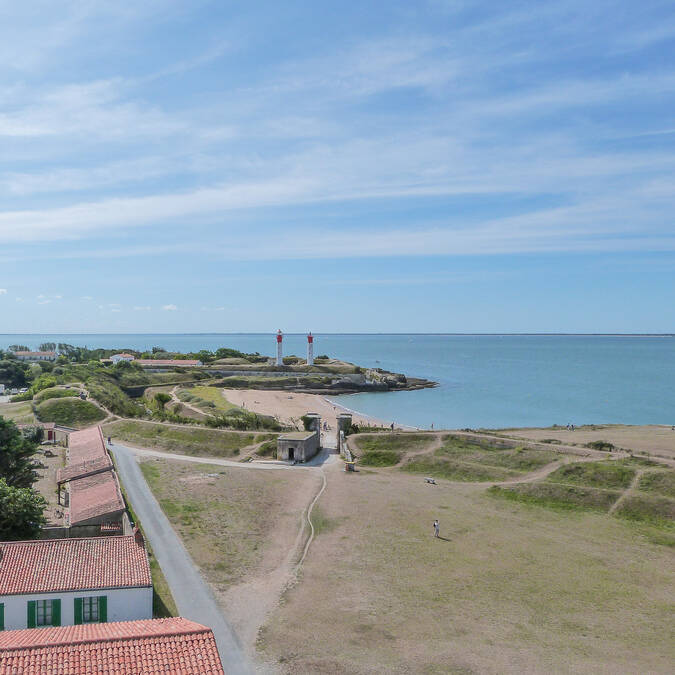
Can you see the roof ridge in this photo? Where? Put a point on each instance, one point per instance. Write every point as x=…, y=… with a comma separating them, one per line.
x=69, y=539
x=195, y=629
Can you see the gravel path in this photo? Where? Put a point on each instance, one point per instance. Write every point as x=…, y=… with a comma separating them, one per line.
x=193, y=597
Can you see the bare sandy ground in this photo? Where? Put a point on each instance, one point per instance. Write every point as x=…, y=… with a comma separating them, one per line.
x=289, y=407
x=654, y=439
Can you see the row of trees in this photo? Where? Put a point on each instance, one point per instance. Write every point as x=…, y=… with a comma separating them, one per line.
x=21, y=507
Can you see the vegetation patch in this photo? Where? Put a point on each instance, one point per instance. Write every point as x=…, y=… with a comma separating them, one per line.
x=380, y=458
x=20, y=413
x=556, y=496
x=69, y=412
x=267, y=449
x=450, y=469
x=659, y=482
x=401, y=443
x=654, y=509
x=55, y=392
x=203, y=395
x=604, y=474
x=183, y=440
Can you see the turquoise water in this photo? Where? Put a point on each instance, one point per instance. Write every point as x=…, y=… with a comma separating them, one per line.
x=485, y=380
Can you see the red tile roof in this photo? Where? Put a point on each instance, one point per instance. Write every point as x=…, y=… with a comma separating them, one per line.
x=96, y=496
x=125, y=355
x=82, y=469
x=29, y=353
x=168, y=362
x=85, y=445
x=51, y=565
x=150, y=647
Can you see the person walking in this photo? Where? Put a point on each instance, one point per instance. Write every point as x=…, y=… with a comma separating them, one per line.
x=437, y=528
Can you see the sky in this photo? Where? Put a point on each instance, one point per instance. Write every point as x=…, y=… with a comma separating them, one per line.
x=426, y=166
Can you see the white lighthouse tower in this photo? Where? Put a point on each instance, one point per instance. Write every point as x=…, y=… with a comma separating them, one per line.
x=310, y=349
x=280, y=350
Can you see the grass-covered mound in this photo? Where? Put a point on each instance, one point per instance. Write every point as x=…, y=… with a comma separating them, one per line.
x=465, y=459
x=55, y=392
x=388, y=449
x=649, y=508
x=659, y=482
x=566, y=497
x=605, y=474
x=183, y=440
x=69, y=412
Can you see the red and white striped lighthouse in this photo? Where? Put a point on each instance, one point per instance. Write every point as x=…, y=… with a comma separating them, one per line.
x=280, y=351
x=310, y=349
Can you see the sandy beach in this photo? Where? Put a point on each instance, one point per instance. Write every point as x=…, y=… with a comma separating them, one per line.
x=289, y=407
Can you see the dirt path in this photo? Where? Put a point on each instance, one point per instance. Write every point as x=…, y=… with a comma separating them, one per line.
x=630, y=489
x=189, y=406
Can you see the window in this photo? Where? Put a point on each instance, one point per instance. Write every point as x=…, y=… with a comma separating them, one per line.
x=89, y=610
x=93, y=609
x=2, y=616
x=43, y=615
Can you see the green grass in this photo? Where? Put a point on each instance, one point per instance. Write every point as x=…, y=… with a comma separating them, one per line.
x=212, y=395
x=450, y=469
x=20, y=413
x=69, y=412
x=163, y=604
x=267, y=449
x=643, y=507
x=107, y=392
x=380, y=458
x=556, y=496
x=388, y=449
x=608, y=474
x=185, y=441
x=659, y=482
x=54, y=392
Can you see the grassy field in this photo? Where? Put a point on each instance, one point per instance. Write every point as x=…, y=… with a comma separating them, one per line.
x=70, y=412
x=239, y=525
x=448, y=456
x=55, y=392
x=209, y=398
x=508, y=588
x=610, y=475
x=659, y=482
x=389, y=449
x=21, y=413
x=183, y=440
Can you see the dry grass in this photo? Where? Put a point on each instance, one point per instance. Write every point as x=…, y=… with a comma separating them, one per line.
x=183, y=440
x=240, y=525
x=512, y=588
x=649, y=439
x=21, y=413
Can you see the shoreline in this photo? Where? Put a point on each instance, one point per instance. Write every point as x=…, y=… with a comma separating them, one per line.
x=376, y=420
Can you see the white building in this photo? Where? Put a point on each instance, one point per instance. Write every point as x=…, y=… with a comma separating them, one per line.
x=116, y=358
x=65, y=582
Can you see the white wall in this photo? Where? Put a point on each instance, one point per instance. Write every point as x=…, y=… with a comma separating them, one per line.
x=124, y=604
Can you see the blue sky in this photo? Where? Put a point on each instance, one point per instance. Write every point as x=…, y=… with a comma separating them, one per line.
x=337, y=166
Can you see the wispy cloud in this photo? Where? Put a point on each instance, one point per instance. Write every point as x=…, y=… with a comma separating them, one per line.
x=145, y=308
x=169, y=308
x=3, y=291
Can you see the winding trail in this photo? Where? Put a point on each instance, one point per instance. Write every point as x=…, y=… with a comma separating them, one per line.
x=629, y=490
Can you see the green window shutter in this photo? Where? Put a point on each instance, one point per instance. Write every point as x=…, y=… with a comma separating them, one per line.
x=103, y=609
x=2, y=616
x=78, y=611
x=30, y=621
x=56, y=612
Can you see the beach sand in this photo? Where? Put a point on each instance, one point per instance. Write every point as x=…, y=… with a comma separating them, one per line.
x=290, y=406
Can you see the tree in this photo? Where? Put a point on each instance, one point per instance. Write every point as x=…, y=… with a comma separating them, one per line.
x=13, y=373
x=48, y=347
x=162, y=399
x=18, y=348
x=21, y=512
x=16, y=455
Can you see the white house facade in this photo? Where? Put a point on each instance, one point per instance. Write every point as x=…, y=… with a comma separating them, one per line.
x=65, y=582
x=116, y=358
x=71, y=608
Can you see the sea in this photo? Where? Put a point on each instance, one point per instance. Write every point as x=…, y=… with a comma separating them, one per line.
x=484, y=381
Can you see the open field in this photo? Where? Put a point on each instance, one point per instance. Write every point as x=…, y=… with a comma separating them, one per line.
x=69, y=412
x=510, y=587
x=241, y=527
x=651, y=439
x=387, y=449
x=184, y=440
x=210, y=399
x=21, y=413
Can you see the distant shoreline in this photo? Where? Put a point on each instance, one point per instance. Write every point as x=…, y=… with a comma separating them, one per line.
x=317, y=333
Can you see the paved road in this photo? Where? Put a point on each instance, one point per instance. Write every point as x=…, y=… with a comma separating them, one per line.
x=193, y=597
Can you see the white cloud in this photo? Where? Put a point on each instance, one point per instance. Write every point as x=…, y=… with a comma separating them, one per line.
x=3, y=291
x=87, y=297
x=145, y=308
x=169, y=308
